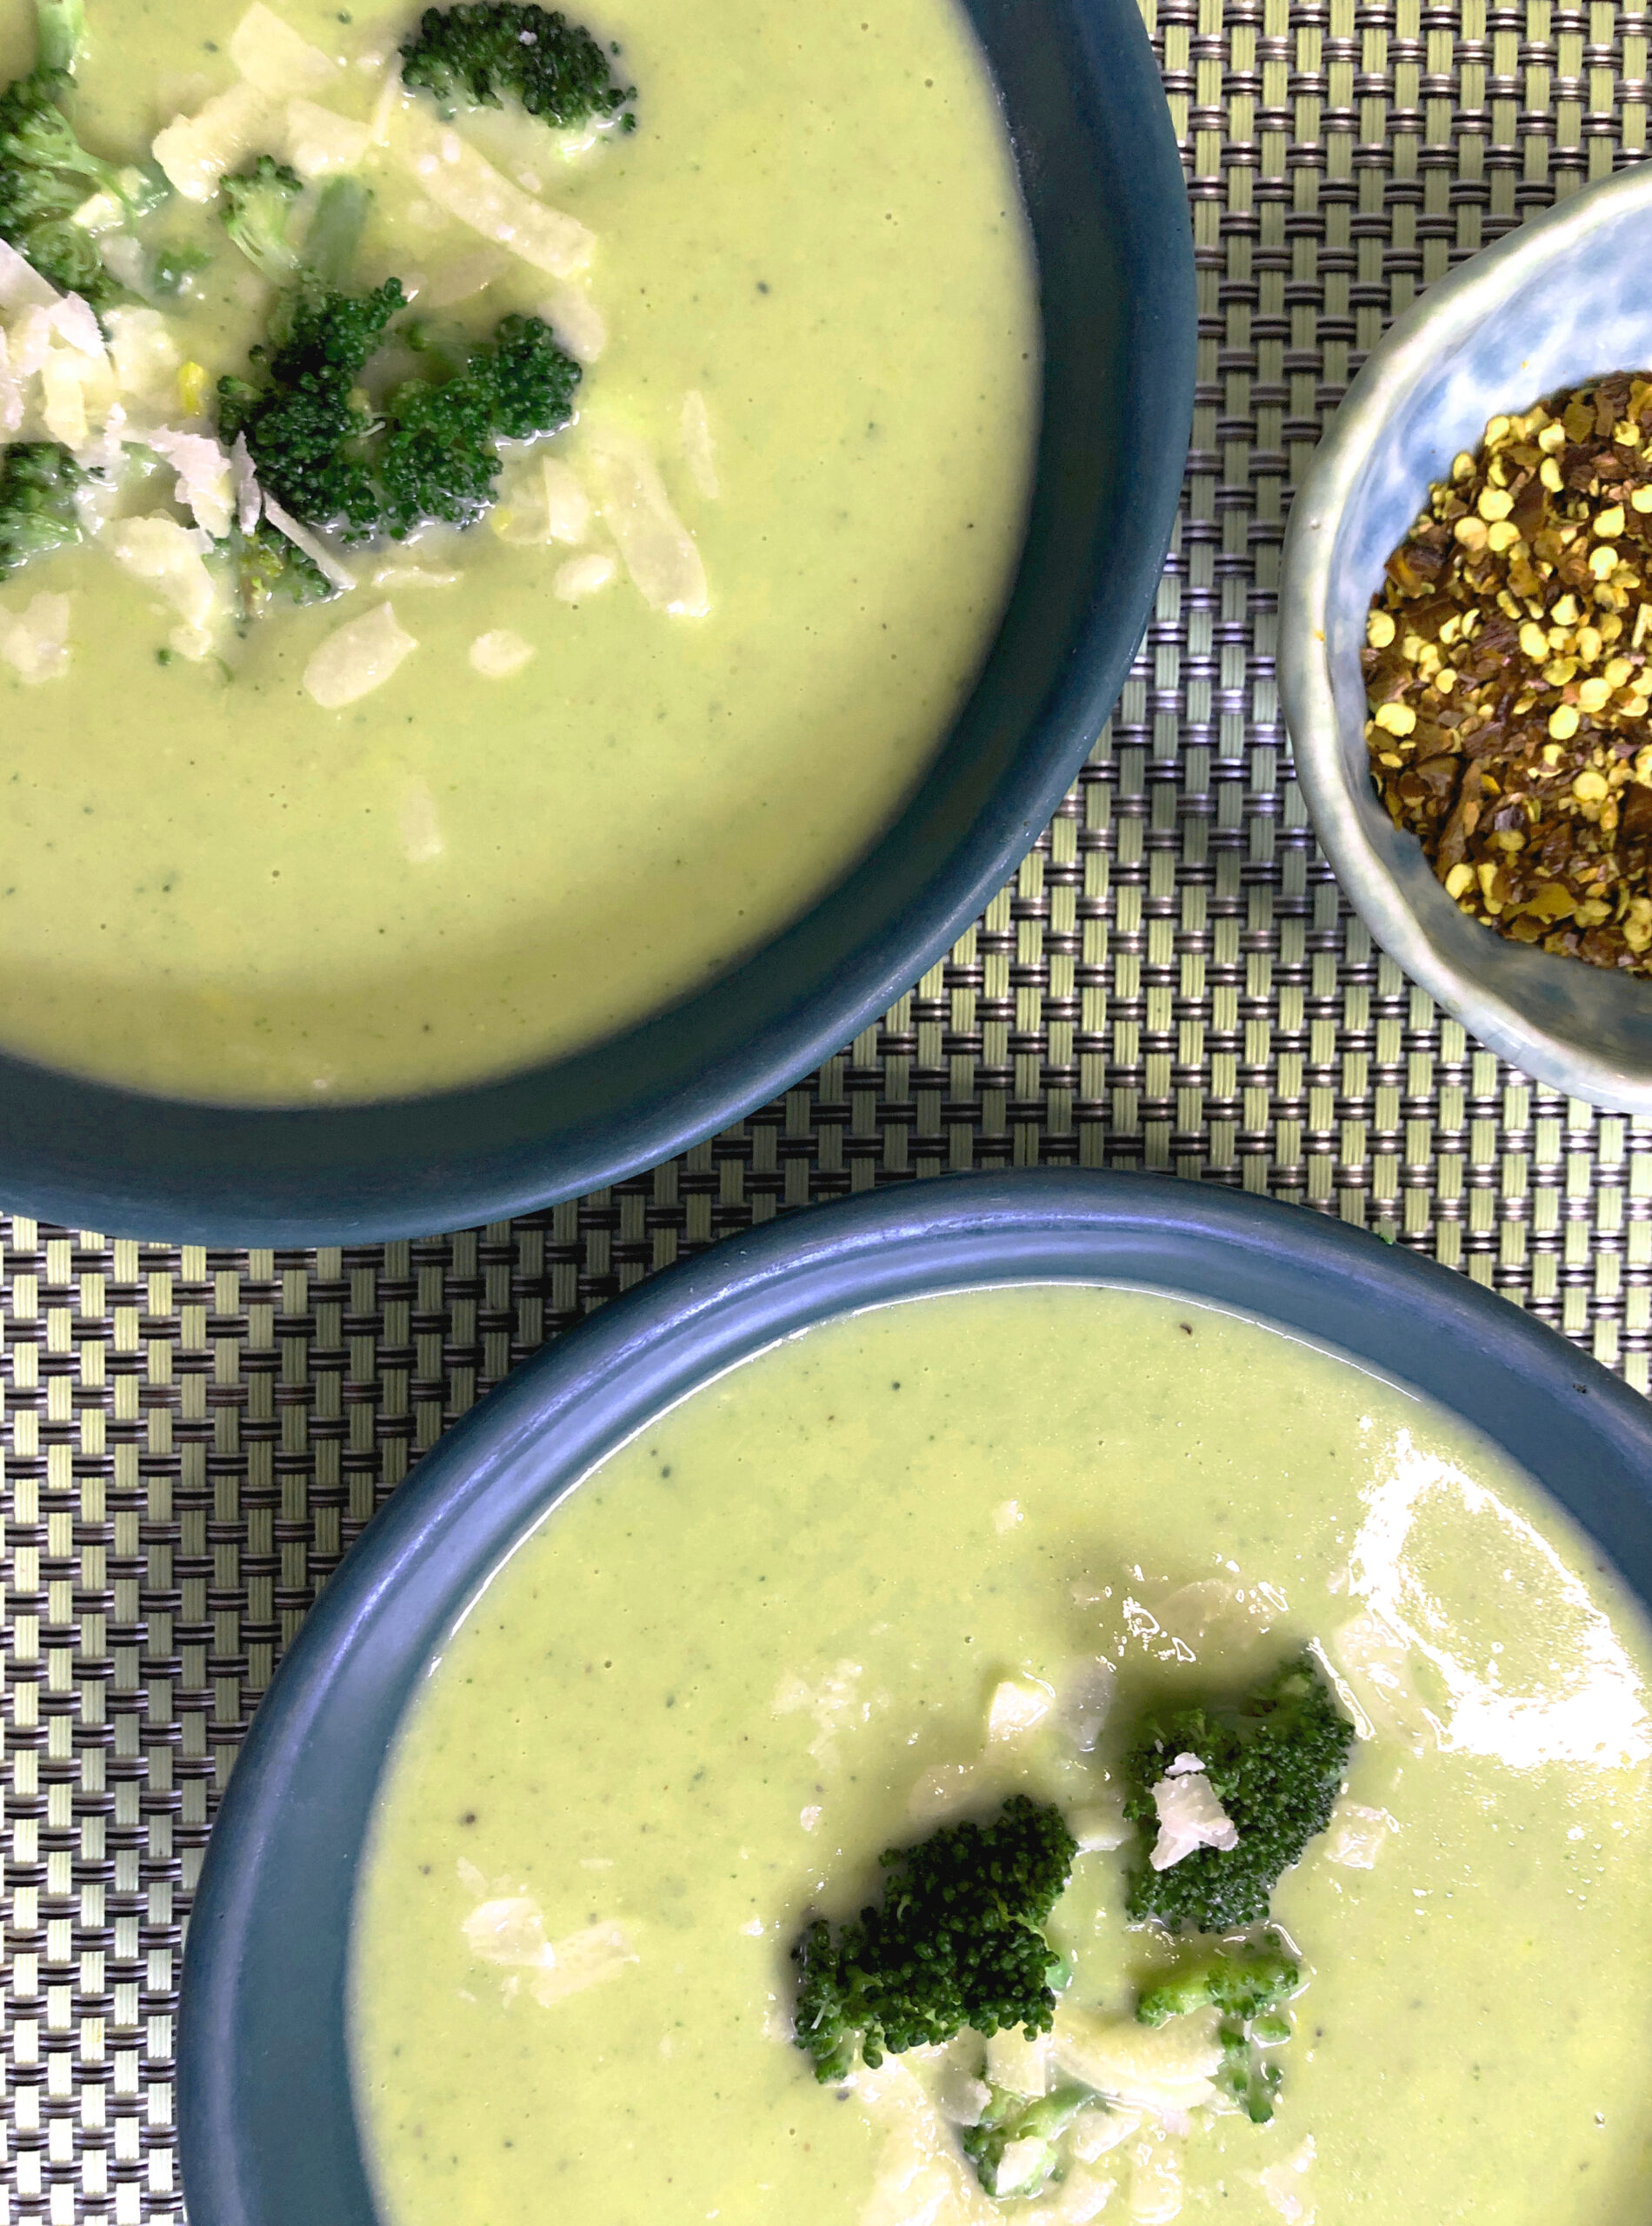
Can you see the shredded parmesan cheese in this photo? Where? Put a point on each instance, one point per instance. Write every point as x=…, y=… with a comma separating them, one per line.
x=313, y=546
x=582, y=576
x=206, y=477
x=195, y=151
x=577, y=322
x=464, y=183
x=658, y=549
x=270, y=55
x=357, y=658
x=698, y=452
x=1190, y=1816
x=35, y=643
x=320, y=142
x=501, y=655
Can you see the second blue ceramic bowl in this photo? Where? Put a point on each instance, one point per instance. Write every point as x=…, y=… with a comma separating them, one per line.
x=267, y=2124
x=1104, y=187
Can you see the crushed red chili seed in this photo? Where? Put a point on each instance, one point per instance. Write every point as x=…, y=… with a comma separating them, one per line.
x=1508, y=669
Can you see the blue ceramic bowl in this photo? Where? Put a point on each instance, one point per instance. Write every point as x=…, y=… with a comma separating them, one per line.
x=1561, y=300
x=268, y=2129
x=1103, y=186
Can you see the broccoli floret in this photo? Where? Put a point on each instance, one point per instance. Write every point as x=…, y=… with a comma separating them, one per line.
x=439, y=460
x=1240, y=1982
x=957, y=1941
x=479, y=53
x=47, y=176
x=267, y=564
x=1250, y=1987
x=1274, y=1763
x=1008, y=2119
x=260, y=214
x=38, y=480
x=307, y=422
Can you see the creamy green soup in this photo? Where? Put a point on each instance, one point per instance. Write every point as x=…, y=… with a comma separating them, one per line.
x=810, y=305
x=776, y=1633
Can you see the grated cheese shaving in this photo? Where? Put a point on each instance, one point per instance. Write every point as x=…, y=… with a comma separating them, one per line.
x=501, y=655
x=205, y=476
x=145, y=356
x=1190, y=1816
x=197, y=151
x=170, y=556
x=312, y=544
x=657, y=549
x=272, y=56
x=35, y=643
x=320, y=142
x=583, y=576
x=698, y=450
x=357, y=658
x=579, y=325
x=21, y=286
x=466, y=184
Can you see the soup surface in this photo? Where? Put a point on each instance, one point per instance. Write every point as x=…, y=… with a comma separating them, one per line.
x=814, y=282
x=756, y=1645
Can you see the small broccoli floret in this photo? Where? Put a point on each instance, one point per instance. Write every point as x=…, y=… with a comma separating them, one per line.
x=38, y=481
x=440, y=459
x=957, y=1941
x=47, y=177
x=1250, y=1987
x=306, y=424
x=267, y=564
x=480, y=52
x=1013, y=2149
x=1240, y=1982
x=1274, y=1763
x=260, y=213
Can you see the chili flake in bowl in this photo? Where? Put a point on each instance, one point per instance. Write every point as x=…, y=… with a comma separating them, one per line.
x=1552, y=310
x=1508, y=671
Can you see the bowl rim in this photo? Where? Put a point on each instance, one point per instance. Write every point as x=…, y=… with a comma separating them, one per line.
x=91, y=1154
x=1450, y=308
x=262, y=2045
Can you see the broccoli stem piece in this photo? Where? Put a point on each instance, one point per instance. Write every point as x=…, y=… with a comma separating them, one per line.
x=1241, y=1982
x=1276, y=1763
x=47, y=177
x=483, y=50
x=60, y=29
x=38, y=480
x=1011, y=2120
x=268, y=564
x=1248, y=1986
x=957, y=1941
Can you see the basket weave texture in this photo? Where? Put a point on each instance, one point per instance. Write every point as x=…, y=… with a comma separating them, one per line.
x=192, y=1439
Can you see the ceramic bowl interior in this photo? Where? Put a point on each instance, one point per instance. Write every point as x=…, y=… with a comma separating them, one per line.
x=1104, y=190
x=268, y=2130
x=1554, y=303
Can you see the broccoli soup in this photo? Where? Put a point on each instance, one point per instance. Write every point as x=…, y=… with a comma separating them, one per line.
x=1248, y=1731
x=493, y=519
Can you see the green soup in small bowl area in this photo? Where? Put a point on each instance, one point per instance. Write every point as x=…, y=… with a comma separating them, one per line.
x=521, y=780
x=917, y=1559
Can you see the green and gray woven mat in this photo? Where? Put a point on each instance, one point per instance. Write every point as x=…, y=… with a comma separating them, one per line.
x=193, y=1438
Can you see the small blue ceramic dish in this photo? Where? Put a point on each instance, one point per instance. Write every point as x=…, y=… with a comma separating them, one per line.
x=1103, y=187
x=267, y=2127
x=1561, y=300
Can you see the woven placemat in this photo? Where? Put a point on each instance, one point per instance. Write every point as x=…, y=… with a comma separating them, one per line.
x=193, y=1438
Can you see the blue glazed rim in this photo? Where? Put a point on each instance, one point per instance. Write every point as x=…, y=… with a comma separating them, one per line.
x=1103, y=184
x=267, y=2130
